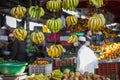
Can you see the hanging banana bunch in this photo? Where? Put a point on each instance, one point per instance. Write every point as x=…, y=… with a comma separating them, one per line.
x=53, y=5
x=96, y=3
x=20, y=34
x=96, y=22
x=55, y=51
x=72, y=39
x=36, y=12
x=71, y=20
x=55, y=25
x=70, y=4
x=18, y=12
x=37, y=37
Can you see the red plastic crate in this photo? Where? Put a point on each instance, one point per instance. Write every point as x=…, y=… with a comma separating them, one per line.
x=108, y=68
x=54, y=68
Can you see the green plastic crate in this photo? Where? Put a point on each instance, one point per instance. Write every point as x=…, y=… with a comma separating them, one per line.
x=72, y=68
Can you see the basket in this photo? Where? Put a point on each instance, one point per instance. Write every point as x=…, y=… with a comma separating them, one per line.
x=44, y=69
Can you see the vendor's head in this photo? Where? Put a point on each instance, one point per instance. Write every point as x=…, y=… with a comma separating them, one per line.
x=81, y=40
x=88, y=32
x=11, y=37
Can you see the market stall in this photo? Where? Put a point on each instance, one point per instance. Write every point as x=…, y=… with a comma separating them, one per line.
x=39, y=40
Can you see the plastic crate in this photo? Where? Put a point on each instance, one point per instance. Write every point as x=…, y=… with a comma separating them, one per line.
x=72, y=68
x=64, y=62
x=108, y=68
x=44, y=69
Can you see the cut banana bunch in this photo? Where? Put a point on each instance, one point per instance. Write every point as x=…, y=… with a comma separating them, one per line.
x=20, y=34
x=70, y=4
x=72, y=39
x=55, y=50
x=18, y=12
x=96, y=3
x=71, y=20
x=96, y=22
x=53, y=5
x=37, y=37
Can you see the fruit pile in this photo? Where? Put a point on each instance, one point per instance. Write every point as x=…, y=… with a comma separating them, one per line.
x=37, y=37
x=37, y=77
x=97, y=4
x=36, y=12
x=56, y=75
x=41, y=62
x=96, y=22
x=72, y=39
x=18, y=12
x=70, y=4
x=53, y=5
x=20, y=34
x=110, y=52
x=55, y=25
x=55, y=50
x=71, y=20
x=108, y=33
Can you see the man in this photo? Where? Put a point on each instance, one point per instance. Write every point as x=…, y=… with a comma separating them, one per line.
x=88, y=35
x=86, y=59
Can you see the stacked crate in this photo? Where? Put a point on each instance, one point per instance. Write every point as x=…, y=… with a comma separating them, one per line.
x=110, y=70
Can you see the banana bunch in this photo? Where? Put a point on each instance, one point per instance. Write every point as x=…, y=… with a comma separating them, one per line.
x=56, y=75
x=53, y=5
x=96, y=22
x=18, y=12
x=55, y=50
x=72, y=39
x=55, y=25
x=20, y=34
x=36, y=12
x=37, y=37
x=71, y=20
x=96, y=3
x=70, y=4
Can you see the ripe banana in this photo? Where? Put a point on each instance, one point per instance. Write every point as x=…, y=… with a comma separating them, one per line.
x=96, y=22
x=37, y=37
x=20, y=34
x=72, y=39
x=96, y=3
x=71, y=20
x=55, y=51
x=18, y=12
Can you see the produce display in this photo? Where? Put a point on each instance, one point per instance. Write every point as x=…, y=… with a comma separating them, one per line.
x=55, y=25
x=55, y=51
x=40, y=62
x=70, y=4
x=20, y=34
x=107, y=52
x=36, y=12
x=96, y=22
x=53, y=5
x=72, y=39
x=67, y=75
x=71, y=20
x=37, y=77
x=96, y=3
x=37, y=37
x=18, y=12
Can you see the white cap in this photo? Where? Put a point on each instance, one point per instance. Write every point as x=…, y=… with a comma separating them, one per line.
x=81, y=38
x=11, y=35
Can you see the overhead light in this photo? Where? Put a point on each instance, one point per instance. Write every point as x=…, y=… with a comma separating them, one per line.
x=3, y=27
